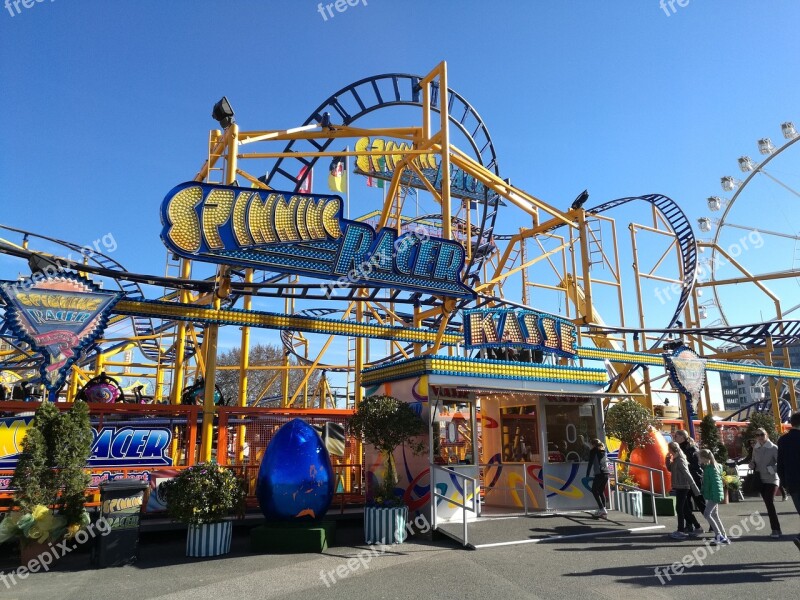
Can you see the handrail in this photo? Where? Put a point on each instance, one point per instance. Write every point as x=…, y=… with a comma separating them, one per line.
x=651, y=491
x=463, y=505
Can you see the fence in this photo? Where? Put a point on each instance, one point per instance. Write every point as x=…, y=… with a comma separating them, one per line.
x=122, y=449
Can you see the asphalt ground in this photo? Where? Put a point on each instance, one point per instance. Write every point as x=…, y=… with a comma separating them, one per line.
x=564, y=557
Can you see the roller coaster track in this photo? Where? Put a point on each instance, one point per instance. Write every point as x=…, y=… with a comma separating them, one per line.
x=687, y=254
x=761, y=406
x=687, y=245
x=142, y=326
x=382, y=91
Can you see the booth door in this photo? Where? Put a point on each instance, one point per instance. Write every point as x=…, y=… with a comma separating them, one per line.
x=455, y=439
x=569, y=425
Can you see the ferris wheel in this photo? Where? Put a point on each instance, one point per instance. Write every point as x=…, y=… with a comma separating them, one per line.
x=753, y=267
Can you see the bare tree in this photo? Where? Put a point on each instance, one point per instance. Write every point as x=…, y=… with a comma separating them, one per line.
x=263, y=385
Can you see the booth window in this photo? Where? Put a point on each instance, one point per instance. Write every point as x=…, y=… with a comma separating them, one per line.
x=520, y=427
x=570, y=429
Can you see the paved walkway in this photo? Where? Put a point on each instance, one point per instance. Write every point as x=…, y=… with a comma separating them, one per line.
x=616, y=564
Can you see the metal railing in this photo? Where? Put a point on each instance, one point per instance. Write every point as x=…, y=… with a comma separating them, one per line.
x=622, y=486
x=472, y=507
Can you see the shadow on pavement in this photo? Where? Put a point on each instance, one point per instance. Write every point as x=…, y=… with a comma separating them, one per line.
x=716, y=575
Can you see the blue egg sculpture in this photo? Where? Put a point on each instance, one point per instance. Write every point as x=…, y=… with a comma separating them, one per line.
x=295, y=479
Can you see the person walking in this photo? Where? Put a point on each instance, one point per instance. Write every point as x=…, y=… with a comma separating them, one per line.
x=683, y=485
x=689, y=448
x=599, y=467
x=765, y=462
x=713, y=494
x=789, y=463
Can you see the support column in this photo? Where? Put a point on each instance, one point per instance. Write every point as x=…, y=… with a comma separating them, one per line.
x=212, y=333
x=244, y=365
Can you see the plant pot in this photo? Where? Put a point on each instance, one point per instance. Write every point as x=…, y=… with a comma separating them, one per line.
x=733, y=495
x=29, y=551
x=385, y=525
x=629, y=502
x=209, y=539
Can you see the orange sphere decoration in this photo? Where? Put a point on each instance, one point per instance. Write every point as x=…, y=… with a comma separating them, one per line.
x=653, y=455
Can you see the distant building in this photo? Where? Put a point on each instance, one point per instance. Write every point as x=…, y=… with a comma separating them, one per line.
x=740, y=390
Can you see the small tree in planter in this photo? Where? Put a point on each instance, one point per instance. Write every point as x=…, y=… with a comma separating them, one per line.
x=761, y=420
x=202, y=497
x=50, y=479
x=710, y=438
x=386, y=423
x=630, y=423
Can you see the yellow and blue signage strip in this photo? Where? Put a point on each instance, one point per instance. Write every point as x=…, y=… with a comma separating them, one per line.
x=243, y=318
x=479, y=367
x=657, y=360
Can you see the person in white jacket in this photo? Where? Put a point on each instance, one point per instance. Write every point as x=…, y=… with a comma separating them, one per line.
x=765, y=461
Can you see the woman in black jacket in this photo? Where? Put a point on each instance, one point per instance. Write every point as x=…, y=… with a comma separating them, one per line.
x=689, y=448
x=598, y=465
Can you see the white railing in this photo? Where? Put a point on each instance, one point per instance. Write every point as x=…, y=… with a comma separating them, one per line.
x=623, y=486
x=466, y=483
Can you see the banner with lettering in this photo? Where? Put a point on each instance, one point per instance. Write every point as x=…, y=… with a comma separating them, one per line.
x=58, y=315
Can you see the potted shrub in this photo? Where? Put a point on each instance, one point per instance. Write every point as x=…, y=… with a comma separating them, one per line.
x=710, y=438
x=386, y=423
x=630, y=423
x=733, y=485
x=203, y=497
x=50, y=480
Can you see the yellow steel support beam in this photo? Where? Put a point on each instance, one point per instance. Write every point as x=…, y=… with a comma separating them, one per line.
x=210, y=340
x=243, y=366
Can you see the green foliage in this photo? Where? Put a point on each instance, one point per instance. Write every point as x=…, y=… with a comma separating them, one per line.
x=710, y=438
x=51, y=468
x=33, y=480
x=73, y=444
x=385, y=422
x=204, y=493
x=630, y=423
x=763, y=421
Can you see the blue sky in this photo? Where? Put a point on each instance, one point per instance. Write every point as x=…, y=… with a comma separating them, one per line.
x=107, y=105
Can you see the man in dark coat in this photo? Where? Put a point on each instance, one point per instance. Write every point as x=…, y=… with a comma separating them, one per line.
x=789, y=463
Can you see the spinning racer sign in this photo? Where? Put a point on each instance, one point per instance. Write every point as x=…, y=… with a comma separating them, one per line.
x=59, y=316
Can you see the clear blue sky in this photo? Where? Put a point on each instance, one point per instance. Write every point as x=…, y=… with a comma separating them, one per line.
x=107, y=104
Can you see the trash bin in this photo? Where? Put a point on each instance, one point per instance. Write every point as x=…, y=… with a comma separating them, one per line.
x=121, y=504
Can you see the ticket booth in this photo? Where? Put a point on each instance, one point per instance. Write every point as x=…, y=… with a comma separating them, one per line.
x=507, y=430
x=536, y=454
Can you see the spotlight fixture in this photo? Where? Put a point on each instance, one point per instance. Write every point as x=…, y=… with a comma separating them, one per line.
x=729, y=183
x=580, y=200
x=746, y=163
x=325, y=121
x=222, y=113
x=765, y=146
x=715, y=203
x=789, y=132
x=40, y=264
